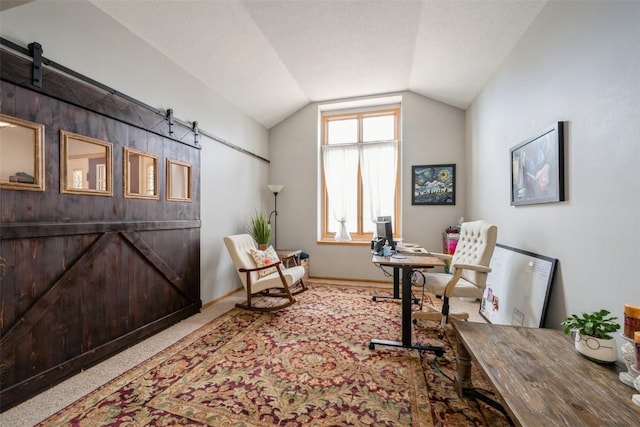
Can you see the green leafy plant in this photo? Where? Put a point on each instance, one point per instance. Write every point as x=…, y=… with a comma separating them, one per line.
x=260, y=228
x=595, y=324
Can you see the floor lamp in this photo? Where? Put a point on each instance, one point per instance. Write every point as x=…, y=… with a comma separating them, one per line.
x=275, y=189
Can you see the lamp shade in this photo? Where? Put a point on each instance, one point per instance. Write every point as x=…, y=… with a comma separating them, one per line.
x=275, y=188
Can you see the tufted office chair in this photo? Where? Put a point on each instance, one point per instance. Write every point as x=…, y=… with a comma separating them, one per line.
x=469, y=266
x=274, y=284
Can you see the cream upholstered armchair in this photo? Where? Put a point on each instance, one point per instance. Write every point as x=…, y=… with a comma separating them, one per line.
x=469, y=269
x=262, y=273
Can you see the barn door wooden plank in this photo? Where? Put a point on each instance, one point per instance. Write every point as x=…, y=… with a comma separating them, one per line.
x=155, y=260
x=40, y=307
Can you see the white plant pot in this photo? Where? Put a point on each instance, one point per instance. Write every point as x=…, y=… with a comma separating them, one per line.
x=596, y=349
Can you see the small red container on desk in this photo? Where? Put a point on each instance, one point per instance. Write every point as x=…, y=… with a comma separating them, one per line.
x=449, y=242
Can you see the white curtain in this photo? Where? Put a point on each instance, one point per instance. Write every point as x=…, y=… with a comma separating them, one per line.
x=340, y=163
x=379, y=182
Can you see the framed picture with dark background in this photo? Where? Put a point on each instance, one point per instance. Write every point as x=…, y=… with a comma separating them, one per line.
x=537, y=168
x=433, y=185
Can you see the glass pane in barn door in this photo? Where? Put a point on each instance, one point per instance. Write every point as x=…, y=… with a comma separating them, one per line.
x=140, y=177
x=178, y=180
x=21, y=154
x=86, y=165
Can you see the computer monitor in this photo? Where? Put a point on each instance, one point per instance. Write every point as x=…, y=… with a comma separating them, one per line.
x=385, y=230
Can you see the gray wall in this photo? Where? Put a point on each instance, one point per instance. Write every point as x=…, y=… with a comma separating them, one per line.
x=432, y=133
x=233, y=185
x=579, y=62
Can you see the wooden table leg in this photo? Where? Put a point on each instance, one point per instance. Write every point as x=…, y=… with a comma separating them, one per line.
x=463, y=369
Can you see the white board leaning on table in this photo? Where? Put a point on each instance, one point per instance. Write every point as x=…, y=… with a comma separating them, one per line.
x=518, y=287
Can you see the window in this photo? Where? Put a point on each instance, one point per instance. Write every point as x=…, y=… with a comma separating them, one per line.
x=101, y=177
x=21, y=154
x=151, y=180
x=178, y=181
x=77, y=179
x=140, y=175
x=86, y=165
x=360, y=172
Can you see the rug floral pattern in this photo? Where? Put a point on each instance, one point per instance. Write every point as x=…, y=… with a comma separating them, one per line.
x=306, y=365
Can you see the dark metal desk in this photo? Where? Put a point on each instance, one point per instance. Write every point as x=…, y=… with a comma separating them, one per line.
x=407, y=264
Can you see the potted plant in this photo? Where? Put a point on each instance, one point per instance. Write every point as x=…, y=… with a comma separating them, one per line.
x=260, y=229
x=592, y=335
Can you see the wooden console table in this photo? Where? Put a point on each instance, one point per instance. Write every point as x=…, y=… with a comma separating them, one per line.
x=540, y=378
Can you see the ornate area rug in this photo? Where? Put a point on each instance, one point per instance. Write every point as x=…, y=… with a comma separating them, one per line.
x=306, y=365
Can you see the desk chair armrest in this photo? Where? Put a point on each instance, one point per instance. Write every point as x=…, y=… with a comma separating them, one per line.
x=444, y=257
x=474, y=267
x=249, y=270
x=448, y=290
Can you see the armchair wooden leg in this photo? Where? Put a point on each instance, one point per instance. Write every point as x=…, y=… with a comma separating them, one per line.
x=283, y=292
x=249, y=295
x=265, y=309
x=301, y=287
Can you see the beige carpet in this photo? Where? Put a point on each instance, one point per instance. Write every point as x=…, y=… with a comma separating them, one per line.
x=49, y=402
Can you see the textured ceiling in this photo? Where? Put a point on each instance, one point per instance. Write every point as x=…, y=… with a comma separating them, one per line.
x=270, y=58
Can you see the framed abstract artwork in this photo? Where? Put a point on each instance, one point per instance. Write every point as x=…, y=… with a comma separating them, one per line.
x=537, y=168
x=433, y=185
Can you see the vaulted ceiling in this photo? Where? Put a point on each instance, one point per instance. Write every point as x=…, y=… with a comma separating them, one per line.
x=270, y=58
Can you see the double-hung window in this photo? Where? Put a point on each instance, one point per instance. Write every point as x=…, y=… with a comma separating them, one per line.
x=360, y=179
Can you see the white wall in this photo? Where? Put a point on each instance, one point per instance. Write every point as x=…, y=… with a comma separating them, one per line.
x=80, y=36
x=432, y=133
x=579, y=62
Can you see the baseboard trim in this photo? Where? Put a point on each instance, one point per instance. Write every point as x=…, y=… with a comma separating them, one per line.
x=352, y=282
x=220, y=298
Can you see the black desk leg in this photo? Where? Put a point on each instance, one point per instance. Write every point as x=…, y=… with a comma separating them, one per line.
x=475, y=394
x=396, y=288
x=406, y=305
x=406, y=320
x=396, y=282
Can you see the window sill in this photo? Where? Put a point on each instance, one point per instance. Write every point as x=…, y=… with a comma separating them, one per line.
x=350, y=243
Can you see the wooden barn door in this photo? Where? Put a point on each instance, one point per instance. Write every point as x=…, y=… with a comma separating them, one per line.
x=83, y=276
